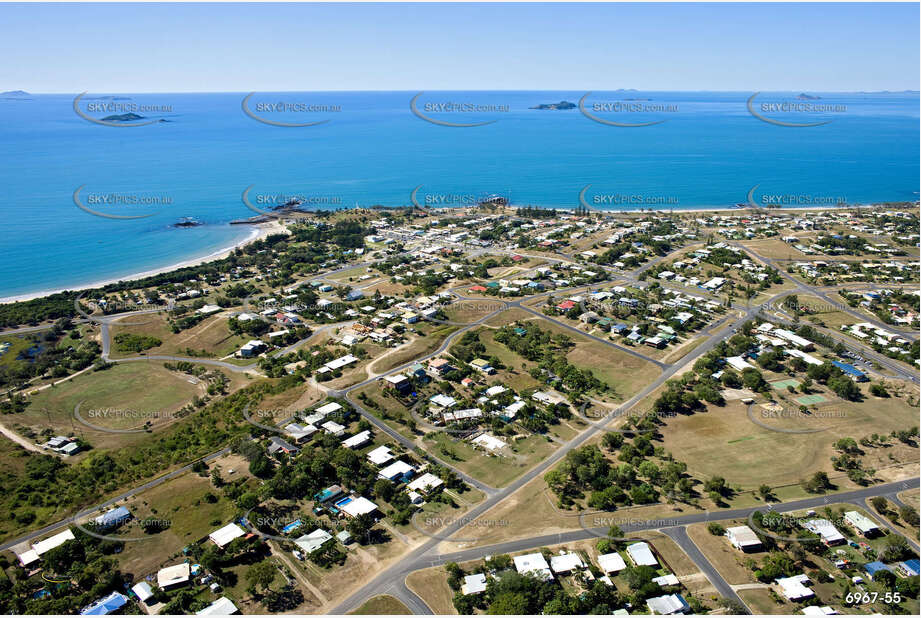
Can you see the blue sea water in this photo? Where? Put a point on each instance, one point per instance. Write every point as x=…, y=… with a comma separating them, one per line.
x=709, y=152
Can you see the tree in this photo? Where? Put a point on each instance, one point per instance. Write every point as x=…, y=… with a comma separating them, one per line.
x=260, y=576
x=360, y=526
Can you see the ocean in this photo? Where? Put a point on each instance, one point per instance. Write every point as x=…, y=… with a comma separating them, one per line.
x=705, y=150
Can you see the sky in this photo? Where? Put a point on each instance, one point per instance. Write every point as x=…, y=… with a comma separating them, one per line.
x=115, y=48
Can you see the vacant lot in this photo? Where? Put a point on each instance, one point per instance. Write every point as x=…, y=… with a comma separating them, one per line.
x=431, y=585
x=209, y=338
x=494, y=470
x=724, y=441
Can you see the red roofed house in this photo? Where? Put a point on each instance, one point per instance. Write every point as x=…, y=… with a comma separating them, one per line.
x=478, y=288
x=566, y=305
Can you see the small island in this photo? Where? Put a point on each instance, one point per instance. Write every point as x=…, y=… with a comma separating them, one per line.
x=187, y=222
x=807, y=97
x=14, y=93
x=560, y=105
x=128, y=117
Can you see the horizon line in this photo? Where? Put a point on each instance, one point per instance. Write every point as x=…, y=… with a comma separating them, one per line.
x=745, y=91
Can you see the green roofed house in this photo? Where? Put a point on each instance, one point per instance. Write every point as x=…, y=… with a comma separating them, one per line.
x=492, y=284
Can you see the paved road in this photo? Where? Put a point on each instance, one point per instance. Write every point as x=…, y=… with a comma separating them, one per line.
x=394, y=584
x=679, y=535
x=110, y=502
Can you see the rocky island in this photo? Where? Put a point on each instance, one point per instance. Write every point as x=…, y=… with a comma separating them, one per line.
x=560, y=105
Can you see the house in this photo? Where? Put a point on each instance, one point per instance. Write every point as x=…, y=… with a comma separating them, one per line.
x=380, y=455
x=862, y=524
x=739, y=363
x=397, y=471
x=425, y=483
x=279, y=445
x=174, y=576
x=252, y=348
x=442, y=401
x=112, y=518
x=300, y=433
x=666, y=580
x=743, y=538
x=353, y=507
x=358, y=440
x=826, y=530
x=641, y=554
x=815, y=610
x=439, y=366
x=489, y=442
x=566, y=563
x=221, y=607
x=223, y=536
x=309, y=543
x=333, y=428
x=909, y=568
x=482, y=366
x=106, y=605
x=872, y=568
x=474, y=584
x=331, y=493
x=668, y=605
x=417, y=371
x=51, y=542
x=533, y=564
x=398, y=382
x=143, y=591
x=328, y=408
x=794, y=588
x=611, y=563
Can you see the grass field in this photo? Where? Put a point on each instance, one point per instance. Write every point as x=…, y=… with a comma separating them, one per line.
x=210, y=336
x=724, y=441
x=382, y=605
x=137, y=392
x=181, y=502
x=431, y=585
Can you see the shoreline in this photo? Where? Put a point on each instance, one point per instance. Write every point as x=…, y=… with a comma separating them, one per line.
x=261, y=231
x=264, y=229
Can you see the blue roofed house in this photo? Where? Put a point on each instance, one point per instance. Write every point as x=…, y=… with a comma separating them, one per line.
x=872, y=568
x=909, y=568
x=113, y=518
x=105, y=605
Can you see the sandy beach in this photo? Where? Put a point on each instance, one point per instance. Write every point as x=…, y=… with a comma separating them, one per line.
x=260, y=230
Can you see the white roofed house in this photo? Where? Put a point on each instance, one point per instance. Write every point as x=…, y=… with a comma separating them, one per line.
x=380, y=455
x=611, y=563
x=309, y=543
x=533, y=564
x=425, y=483
x=861, y=524
x=173, y=576
x=566, y=563
x=53, y=541
x=397, y=471
x=668, y=605
x=358, y=440
x=794, y=588
x=641, y=555
x=474, y=584
x=826, y=530
x=743, y=538
x=223, y=536
x=357, y=506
